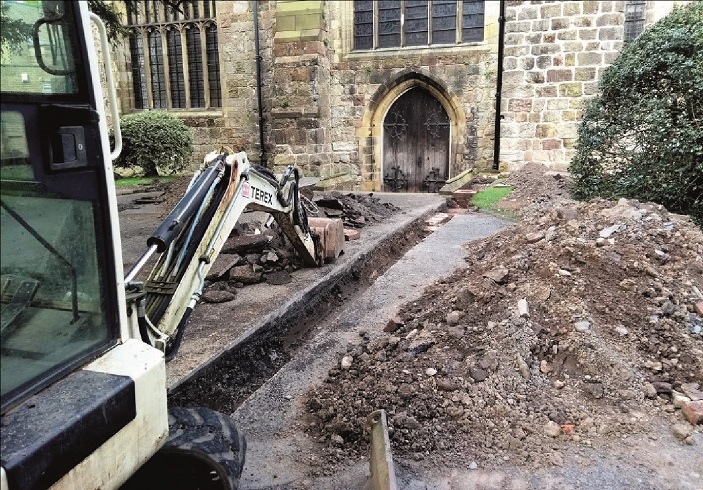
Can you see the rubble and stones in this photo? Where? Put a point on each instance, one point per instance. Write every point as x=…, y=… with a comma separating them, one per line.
x=611, y=338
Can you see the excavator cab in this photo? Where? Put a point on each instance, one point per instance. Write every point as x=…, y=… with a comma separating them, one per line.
x=83, y=405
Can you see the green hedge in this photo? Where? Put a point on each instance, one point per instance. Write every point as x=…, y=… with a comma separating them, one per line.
x=155, y=140
x=642, y=136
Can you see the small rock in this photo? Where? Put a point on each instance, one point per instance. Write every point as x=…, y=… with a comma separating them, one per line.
x=622, y=330
x=649, y=390
x=693, y=411
x=558, y=384
x=662, y=387
x=351, y=234
x=568, y=429
x=453, y=317
x=582, y=326
x=556, y=459
x=430, y=371
x=421, y=342
x=245, y=274
x=272, y=257
x=552, y=429
x=473, y=465
x=477, y=374
x=679, y=399
x=523, y=308
x=682, y=430
x=534, y=237
x=691, y=390
x=544, y=367
x=217, y=296
x=498, y=275
x=564, y=273
x=594, y=389
x=278, y=278
x=489, y=361
x=550, y=234
x=522, y=366
x=346, y=362
x=337, y=439
x=446, y=384
x=393, y=324
x=606, y=232
x=698, y=308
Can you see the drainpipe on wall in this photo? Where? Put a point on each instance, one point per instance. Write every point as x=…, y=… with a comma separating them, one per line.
x=262, y=148
x=499, y=86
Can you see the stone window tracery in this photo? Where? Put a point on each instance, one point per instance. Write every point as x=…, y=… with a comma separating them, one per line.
x=174, y=55
x=399, y=23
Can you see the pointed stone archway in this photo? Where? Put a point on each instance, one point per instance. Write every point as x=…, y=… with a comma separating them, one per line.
x=448, y=111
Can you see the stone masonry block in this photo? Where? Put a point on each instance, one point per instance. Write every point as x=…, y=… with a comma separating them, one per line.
x=540, y=25
x=570, y=90
x=615, y=19
x=584, y=21
x=523, y=26
x=547, y=130
x=527, y=63
x=545, y=49
x=560, y=23
x=551, y=144
x=611, y=33
x=590, y=7
x=528, y=13
x=285, y=22
x=589, y=59
x=587, y=34
x=332, y=233
x=569, y=9
x=551, y=10
x=520, y=105
x=567, y=35
x=533, y=38
x=561, y=75
x=544, y=62
x=585, y=74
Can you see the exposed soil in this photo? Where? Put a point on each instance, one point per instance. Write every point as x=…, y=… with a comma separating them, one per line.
x=573, y=328
x=608, y=347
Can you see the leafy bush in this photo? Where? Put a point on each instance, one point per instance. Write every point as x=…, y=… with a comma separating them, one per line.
x=642, y=136
x=155, y=140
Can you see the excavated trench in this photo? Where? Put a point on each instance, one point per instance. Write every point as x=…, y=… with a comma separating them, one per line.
x=234, y=376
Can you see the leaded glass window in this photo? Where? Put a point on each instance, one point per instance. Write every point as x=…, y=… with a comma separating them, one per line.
x=634, y=19
x=395, y=23
x=174, y=54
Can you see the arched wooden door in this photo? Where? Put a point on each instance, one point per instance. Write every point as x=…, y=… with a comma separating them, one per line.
x=415, y=143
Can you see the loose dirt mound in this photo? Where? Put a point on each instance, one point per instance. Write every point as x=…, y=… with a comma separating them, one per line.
x=574, y=327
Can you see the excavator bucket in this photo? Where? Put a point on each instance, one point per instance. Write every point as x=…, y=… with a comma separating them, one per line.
x=331, y=233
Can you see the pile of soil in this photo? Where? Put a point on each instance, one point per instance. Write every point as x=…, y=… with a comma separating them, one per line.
x=575, y=326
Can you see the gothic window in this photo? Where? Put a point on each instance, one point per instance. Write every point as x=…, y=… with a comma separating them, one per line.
x=396, y=23
x=174, y=55
x=634, y=19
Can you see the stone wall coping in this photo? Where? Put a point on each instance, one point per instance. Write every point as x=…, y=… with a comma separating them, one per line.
x=434, y=50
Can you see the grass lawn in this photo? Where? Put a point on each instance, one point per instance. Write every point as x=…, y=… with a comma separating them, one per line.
x=488, y=198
